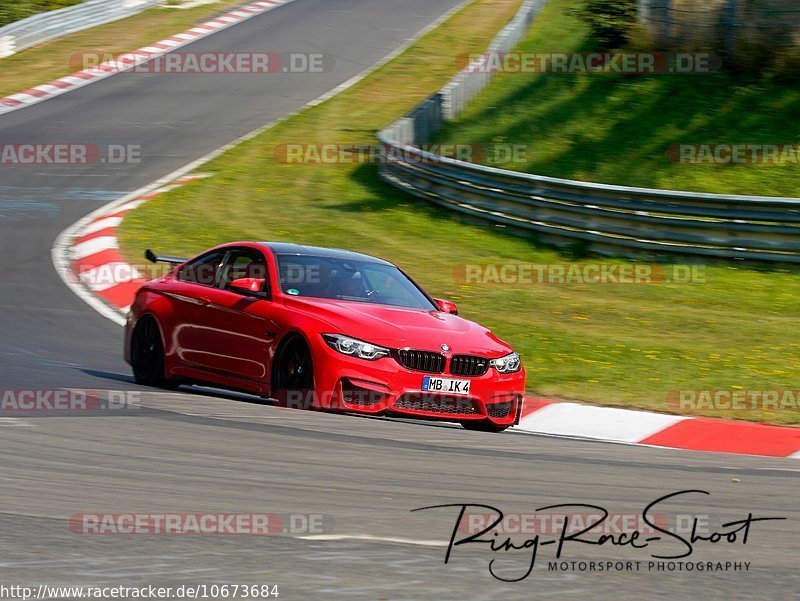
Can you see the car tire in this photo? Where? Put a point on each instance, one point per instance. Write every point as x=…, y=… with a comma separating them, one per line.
x=484, y=426
x=147, y=355
x=294, y=373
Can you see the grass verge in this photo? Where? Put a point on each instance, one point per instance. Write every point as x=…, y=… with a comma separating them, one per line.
x=60, y=57
x=619, y=345
x=616, y=129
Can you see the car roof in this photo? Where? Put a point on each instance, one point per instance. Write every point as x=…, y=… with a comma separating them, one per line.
x=288, y=248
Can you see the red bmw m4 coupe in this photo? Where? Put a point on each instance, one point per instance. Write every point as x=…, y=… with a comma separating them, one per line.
x=320, y=328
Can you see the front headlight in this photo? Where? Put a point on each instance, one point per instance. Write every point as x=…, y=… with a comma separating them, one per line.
x=355, y=347
x=508, y=364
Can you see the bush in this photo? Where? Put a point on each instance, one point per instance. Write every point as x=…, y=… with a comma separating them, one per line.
x=752, y=37
x=610, y=21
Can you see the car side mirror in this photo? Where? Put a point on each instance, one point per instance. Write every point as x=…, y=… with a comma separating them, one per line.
x=249, y=287
x=447, y=306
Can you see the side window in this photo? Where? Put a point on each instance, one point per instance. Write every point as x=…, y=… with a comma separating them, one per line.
x=202, y=270
x=243, y=263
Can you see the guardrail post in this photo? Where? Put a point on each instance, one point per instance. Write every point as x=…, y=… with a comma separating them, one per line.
x=7, y=46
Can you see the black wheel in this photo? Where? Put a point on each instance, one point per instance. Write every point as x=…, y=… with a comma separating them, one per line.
x=147, y=355
x=484, y=426
x=294, y=373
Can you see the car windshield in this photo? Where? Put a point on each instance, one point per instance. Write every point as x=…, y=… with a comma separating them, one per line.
x=351, y=280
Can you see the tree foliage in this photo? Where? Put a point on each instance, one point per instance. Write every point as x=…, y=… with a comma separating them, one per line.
x=610, y=21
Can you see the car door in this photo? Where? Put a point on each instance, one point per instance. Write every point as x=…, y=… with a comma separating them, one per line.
x=235, y=330
x=188, y=294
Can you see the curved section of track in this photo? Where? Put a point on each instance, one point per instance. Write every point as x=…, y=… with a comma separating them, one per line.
x=174, y=118
x=186, y=452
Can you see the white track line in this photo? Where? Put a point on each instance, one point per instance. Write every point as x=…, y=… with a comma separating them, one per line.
x=371, y=538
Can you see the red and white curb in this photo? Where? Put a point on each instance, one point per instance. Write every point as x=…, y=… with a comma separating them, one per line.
x=625, y=426
x=90, y=262
x=88, y=258
x=92, y=265
x=128, y=61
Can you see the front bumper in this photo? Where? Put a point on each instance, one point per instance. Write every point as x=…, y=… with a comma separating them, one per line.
x=386, y=387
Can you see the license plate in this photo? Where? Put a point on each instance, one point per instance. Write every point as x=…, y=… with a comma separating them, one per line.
x=446, y=385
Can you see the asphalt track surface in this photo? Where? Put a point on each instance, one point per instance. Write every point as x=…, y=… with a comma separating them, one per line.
x=197, y=451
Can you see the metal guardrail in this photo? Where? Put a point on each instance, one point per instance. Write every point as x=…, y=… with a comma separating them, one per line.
x=603, y=218
x=47, y=26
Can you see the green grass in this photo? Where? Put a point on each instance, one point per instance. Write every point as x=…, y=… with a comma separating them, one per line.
x=64, y=56
x=616, y=128
x=620, y=345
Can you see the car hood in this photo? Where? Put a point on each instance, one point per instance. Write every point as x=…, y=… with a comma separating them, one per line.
x=399, y=327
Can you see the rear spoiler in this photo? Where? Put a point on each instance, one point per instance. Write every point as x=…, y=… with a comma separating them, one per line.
x=151, y=256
